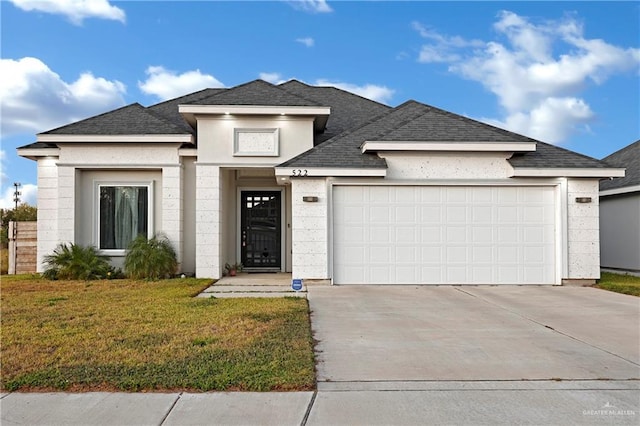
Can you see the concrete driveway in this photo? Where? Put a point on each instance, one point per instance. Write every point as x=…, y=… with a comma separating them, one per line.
x=374, y=337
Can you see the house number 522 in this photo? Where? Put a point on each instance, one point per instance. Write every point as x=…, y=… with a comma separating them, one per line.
x=299, y=173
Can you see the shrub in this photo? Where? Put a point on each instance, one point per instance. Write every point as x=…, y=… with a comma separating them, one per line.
x=152, y=259
x=75, y=262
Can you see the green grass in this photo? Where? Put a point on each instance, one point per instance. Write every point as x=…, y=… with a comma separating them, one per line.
x=626, y=284
x=149, y=336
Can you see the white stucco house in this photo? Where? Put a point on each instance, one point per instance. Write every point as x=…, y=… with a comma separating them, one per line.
x=324, y=184
x=620, y=212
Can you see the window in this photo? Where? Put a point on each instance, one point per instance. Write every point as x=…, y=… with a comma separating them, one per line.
x=123, y=214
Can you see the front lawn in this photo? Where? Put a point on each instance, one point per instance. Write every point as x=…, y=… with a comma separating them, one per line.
x=627, y=284
x=149, y=336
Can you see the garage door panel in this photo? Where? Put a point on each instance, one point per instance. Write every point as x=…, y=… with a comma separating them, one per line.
x=482, y=234
x=379, y=234
x=482, y=254
x=457, y=214
x=482, y=214
x=431, y=235
x=444, y=235
x=406, y=234
x=431, y=254
x=456, y=194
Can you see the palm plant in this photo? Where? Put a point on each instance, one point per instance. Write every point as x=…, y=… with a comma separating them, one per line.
x=151, y=259
x=76, y=262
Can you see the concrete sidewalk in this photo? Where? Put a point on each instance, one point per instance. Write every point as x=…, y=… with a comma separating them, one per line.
x=419, y=403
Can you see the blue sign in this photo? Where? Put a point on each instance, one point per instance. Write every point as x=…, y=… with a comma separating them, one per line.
x=296, y=284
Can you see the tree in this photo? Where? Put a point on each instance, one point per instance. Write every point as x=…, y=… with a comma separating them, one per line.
x=24, y=212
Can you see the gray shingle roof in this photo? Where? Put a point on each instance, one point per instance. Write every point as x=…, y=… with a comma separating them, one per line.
x=628, y=157
x=257, y=92
x=548, y=156
x=132, y=119
x=348, y=110
x=437, y=125
x=38, y=145
x=353, y=120
x=344, y=149
x=413, y=121
x=169, y=109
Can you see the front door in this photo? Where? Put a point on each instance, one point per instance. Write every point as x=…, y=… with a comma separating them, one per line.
x=261, y=230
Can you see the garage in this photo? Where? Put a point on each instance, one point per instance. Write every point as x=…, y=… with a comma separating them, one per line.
x=444, y=234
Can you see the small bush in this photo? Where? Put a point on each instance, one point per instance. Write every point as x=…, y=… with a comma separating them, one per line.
x=75, y=262
x=152, y=259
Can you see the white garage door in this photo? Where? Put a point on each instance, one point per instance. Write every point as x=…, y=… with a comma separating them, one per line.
x=444, y=235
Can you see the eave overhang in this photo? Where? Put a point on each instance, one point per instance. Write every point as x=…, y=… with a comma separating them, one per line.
x=568, y=172
x=35, y=153
x=184, y=138
x=321, y=114
x=426, y=146
x=620, y=191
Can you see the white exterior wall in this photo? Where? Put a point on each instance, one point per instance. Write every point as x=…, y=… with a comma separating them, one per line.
x=310, y=229
x=216, y=138
x=172, y=208
x=583, y=232
x=66, y=204
x=78, y=168
x=208, y=235
x=47, y=209
x=119, y=155
x=439, y=165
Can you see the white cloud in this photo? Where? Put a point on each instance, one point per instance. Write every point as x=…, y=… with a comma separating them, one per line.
x=539, y=91
x=166, y=84
x=313, y=6
x=75, y=10
x=307, y=41
x=370, y=91
x=3, y=175
x=28, y=195
x=441, y=47
x=272, y=77
x=34, y=98
x=553, y=119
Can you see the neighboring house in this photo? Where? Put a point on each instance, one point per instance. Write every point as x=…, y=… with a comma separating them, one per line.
x=620, y=212
x=324, y=184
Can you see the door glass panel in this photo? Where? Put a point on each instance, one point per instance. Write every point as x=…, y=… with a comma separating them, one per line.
x=260, y=236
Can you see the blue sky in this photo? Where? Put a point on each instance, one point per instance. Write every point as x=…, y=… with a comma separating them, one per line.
x=562, y=72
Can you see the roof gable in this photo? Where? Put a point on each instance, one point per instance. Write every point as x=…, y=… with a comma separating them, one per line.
x=628, y=157
x=257, y=92
x=344, y=149
x=411, y=121
x=414, y=121
x=348, y=110
x=169, y=109
x=133, y=119
x=436, y=125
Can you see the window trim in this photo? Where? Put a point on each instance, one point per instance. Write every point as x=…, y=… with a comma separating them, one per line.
x=97, y=184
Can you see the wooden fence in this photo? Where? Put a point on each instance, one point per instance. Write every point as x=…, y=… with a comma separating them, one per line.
x=23, y=245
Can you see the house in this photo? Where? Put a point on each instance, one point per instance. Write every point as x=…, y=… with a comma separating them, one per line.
x=324, y=184
x=620, y=212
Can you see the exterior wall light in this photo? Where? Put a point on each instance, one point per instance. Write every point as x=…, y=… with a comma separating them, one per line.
x=310, y=199
x=583, y=200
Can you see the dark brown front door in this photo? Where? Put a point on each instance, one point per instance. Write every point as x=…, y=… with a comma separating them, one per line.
x=261, y=229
